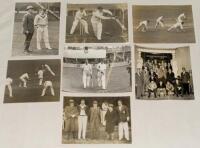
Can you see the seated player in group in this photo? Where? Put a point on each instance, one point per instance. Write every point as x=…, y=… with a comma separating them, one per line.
x=152, y=88
x=161, y=91
x=169, y=89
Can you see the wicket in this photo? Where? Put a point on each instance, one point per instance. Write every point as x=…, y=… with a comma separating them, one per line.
x=81, y=29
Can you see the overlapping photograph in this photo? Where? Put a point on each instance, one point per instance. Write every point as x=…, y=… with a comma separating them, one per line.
x=163, y=24
x=36, y=28
x=97, y=69
x=96, y=120
x=32, y=81
x=97, y=23
x=163, y=73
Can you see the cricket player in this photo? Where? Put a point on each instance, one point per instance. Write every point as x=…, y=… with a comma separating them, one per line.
x=143, y=26
x=181, y=17
x=23, y=80
x=96, y=20
x=41, y=25
x=28, y=28
x=101, y=74
x=124, y=118
x=87, y=74
x=48, y=76
x=40, y=74
x=159, y=22
x=9, y=82
x=82, y=119
x=178, y=26
x=104, y=109
x=79, y=18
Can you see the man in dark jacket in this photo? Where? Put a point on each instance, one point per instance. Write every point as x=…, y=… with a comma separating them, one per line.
x=185, y=79
x=28, y=28
x=111, y=118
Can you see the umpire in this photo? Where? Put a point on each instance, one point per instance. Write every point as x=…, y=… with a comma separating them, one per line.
x=28, y=28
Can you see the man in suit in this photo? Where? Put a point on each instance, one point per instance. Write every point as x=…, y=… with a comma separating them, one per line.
x=139, y=83
x=71, y=121
x=28, y=28
x=185, y=79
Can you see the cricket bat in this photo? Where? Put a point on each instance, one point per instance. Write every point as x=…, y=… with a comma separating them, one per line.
x=120, y=24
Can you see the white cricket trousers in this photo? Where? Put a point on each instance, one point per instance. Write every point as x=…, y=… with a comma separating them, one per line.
x=42, y=33
x=101, y=80
x=97, y=28
x=86, y=80
x=9, y=89
x=123, y=130
x=82, y=126
x=75, y=23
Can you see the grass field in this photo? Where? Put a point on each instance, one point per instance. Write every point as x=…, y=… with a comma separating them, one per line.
x=19, y=37
x=118, y=81
x=32, y=93
x=102, y=139
x=163, y=36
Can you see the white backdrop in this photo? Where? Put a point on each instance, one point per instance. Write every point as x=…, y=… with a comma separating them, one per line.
x=156, y=124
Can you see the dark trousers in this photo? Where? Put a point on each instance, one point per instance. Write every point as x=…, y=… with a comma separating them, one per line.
x=27, y=41
x=150, y=91
x=186, y=88
x=178, y=92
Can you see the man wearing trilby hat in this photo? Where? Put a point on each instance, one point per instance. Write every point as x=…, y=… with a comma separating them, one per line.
x=28, y=28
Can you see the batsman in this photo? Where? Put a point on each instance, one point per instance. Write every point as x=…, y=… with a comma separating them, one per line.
x=79, y=17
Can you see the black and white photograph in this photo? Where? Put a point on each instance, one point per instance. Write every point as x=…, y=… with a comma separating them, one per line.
x=97, y=23
x=163, y=73
x=97, y=69
x=36, y=29
x=96, y=120
x=163, y=24
x=32, y=81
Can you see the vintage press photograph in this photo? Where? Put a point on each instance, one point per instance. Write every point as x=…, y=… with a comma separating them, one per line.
x=97, y=69
x=97, y=23
x=163, y=24
x=96, y=120
x=163, y=73
x=36, y=28
x=32, y=81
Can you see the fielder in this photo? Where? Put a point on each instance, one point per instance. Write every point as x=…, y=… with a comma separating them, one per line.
x=48, y=76
x=178, y=26
x=9, y=82
x=181, y=17
x=143, y=26
x=179, y=23
x=87, y=74
x=79, y=17
x=23, y=80
x=41, y=25
x=101, y=75
x=96, y=20
x=159, y=22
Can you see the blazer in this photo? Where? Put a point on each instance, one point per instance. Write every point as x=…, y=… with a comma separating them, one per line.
x=28, y=23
